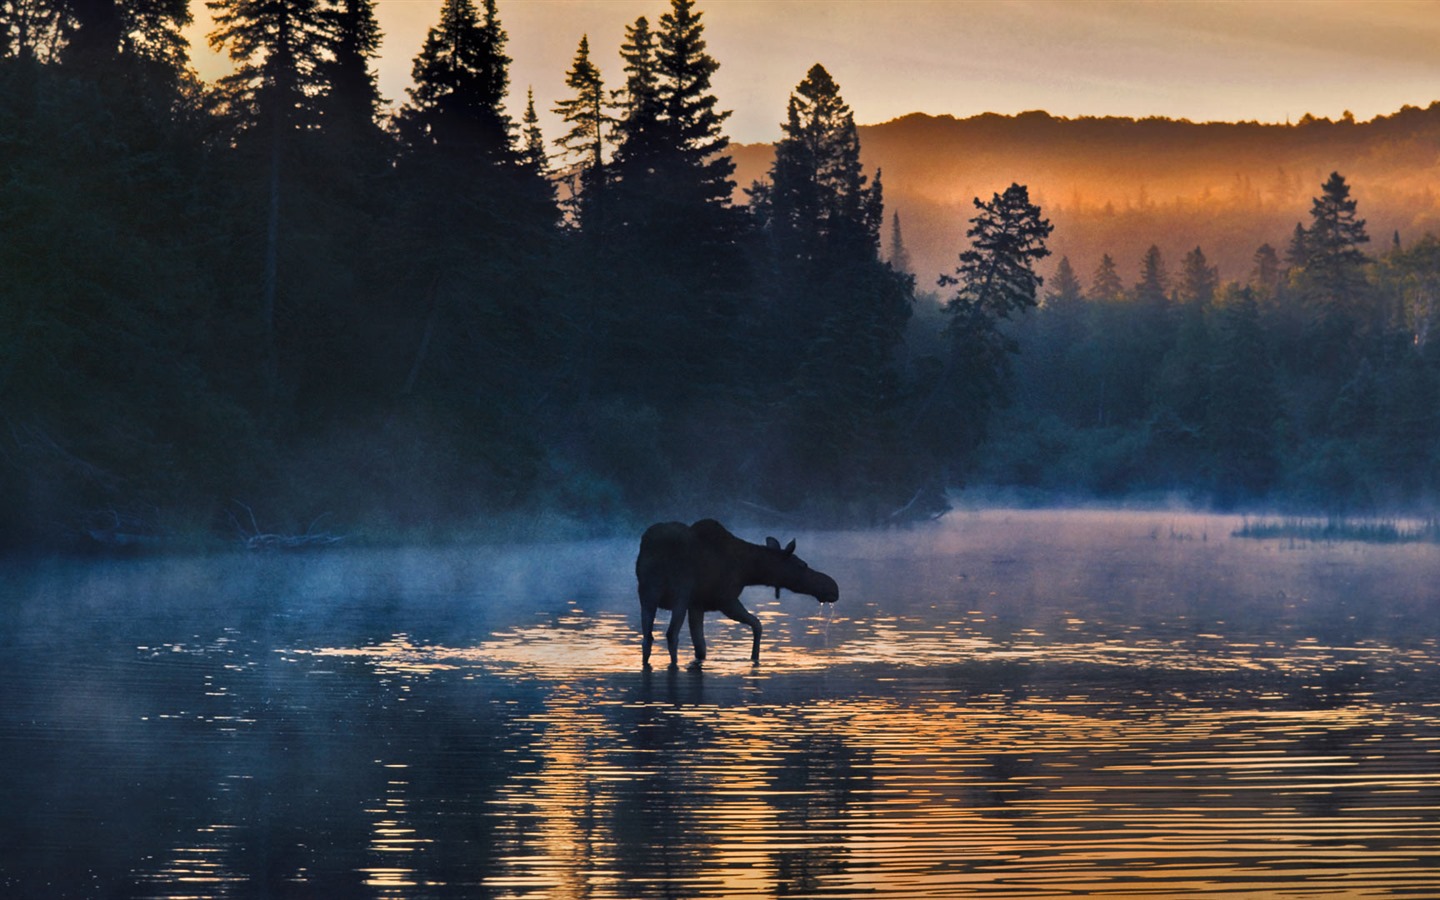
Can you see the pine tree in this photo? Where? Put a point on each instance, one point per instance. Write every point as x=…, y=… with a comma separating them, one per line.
x=1332, y=279
x=640, y=141
x=1066, y=294
x=532, y=149
x=1265, y=277
x=1106, y=286
x=832, y=297
x=1153, y=288
x=817, y=203
x=585, y=113
x=899, y=255
x=461, y=77
x=1335, y=233
x=1198, y=279
x=278, y=46
x=104, y=32
x=996, y=278
x=351, y=100
x=689, y=117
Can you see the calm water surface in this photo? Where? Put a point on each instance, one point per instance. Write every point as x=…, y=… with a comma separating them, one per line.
x=1008, y=705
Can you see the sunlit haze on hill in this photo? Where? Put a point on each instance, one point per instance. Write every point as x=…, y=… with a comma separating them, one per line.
x=1267, y=61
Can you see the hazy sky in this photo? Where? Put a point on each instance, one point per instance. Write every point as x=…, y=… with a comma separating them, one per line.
x=1246, y=59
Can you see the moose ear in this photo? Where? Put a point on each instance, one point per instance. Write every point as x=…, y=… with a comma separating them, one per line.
x=772, y=543
x=790, y=548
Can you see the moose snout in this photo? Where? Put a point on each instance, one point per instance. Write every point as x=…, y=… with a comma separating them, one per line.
x=829, y=591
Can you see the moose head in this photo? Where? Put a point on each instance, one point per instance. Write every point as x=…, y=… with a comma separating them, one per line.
x=790, y=572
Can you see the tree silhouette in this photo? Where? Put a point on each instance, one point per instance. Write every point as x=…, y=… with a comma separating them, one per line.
x=995, y=279
x=1105, y=285
x=461, y=77
x=584, y=143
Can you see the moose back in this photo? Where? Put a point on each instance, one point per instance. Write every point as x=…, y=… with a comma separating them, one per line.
x=700, y=568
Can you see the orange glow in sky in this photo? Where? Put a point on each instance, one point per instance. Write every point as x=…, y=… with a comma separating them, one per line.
x=1268, y=60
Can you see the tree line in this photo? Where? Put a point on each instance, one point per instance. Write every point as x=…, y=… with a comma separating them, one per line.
x=1312, y=382
x=259, y=302
x=267, y=302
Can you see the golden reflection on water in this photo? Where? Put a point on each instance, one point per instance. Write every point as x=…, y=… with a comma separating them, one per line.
x=736, y=782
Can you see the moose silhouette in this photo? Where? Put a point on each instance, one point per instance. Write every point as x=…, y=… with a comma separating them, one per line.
x=700, y=568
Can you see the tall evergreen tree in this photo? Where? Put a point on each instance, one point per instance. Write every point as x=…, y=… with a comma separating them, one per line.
x=351, y=99
x=640, y=141
x=833, y=297
x=1334, y=263
x=1332, y=282
x=1265, y=276
x=1198, y=279
x=1153, y=288
x=996, y=279
x=278, y=46
x=899, y=257
x=691, y=122
x=584, y=143
x=104, y=32
x=1067, y=292
x=1105, y=285
x=461, y=78
x=817, y=203
x=532, y=147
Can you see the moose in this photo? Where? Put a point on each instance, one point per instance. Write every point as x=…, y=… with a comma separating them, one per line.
x=700, y=568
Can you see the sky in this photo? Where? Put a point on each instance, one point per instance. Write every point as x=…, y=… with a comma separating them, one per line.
x=1264, y=60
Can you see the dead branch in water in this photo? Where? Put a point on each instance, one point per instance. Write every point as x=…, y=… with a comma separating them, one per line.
x=255, y=539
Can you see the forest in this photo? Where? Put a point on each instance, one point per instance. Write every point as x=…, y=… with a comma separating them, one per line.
x=273, y=305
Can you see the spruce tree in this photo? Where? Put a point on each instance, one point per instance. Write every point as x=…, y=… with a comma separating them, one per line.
x=533, y=155
x=351, y=99
x=1066, y=293
x=461, y=77
x=899, y=256
x=1198, y=279
x=278, y=46
x=1153, y=288
x=1334, y=263
x=1332, y=281
x=832, y=296
x=1106, y=286
x=1265, y=276
x=640, y=142
x=691, y=123
x=817, y=203
x=584, y=143
x=996, y=279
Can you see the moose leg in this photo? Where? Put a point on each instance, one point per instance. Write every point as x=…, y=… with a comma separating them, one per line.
x=697, y=635
x=737, y=611
x=672, y=634
x=647, y=623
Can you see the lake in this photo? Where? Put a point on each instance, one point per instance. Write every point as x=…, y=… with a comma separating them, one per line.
x=1003, y=704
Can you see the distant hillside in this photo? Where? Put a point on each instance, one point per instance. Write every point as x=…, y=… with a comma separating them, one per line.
x=1116, y=186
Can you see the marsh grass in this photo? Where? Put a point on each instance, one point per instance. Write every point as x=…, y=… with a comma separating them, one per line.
x=1338, y=529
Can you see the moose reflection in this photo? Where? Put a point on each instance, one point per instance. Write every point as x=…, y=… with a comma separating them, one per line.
x=700, y=568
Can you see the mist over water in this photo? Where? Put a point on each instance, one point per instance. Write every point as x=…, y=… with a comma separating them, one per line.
x=1006, y=704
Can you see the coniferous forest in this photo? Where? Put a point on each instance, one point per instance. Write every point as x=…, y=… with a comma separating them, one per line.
x=269, y=305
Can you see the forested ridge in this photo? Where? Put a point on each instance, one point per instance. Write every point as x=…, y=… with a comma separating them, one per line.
x=265, y=305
